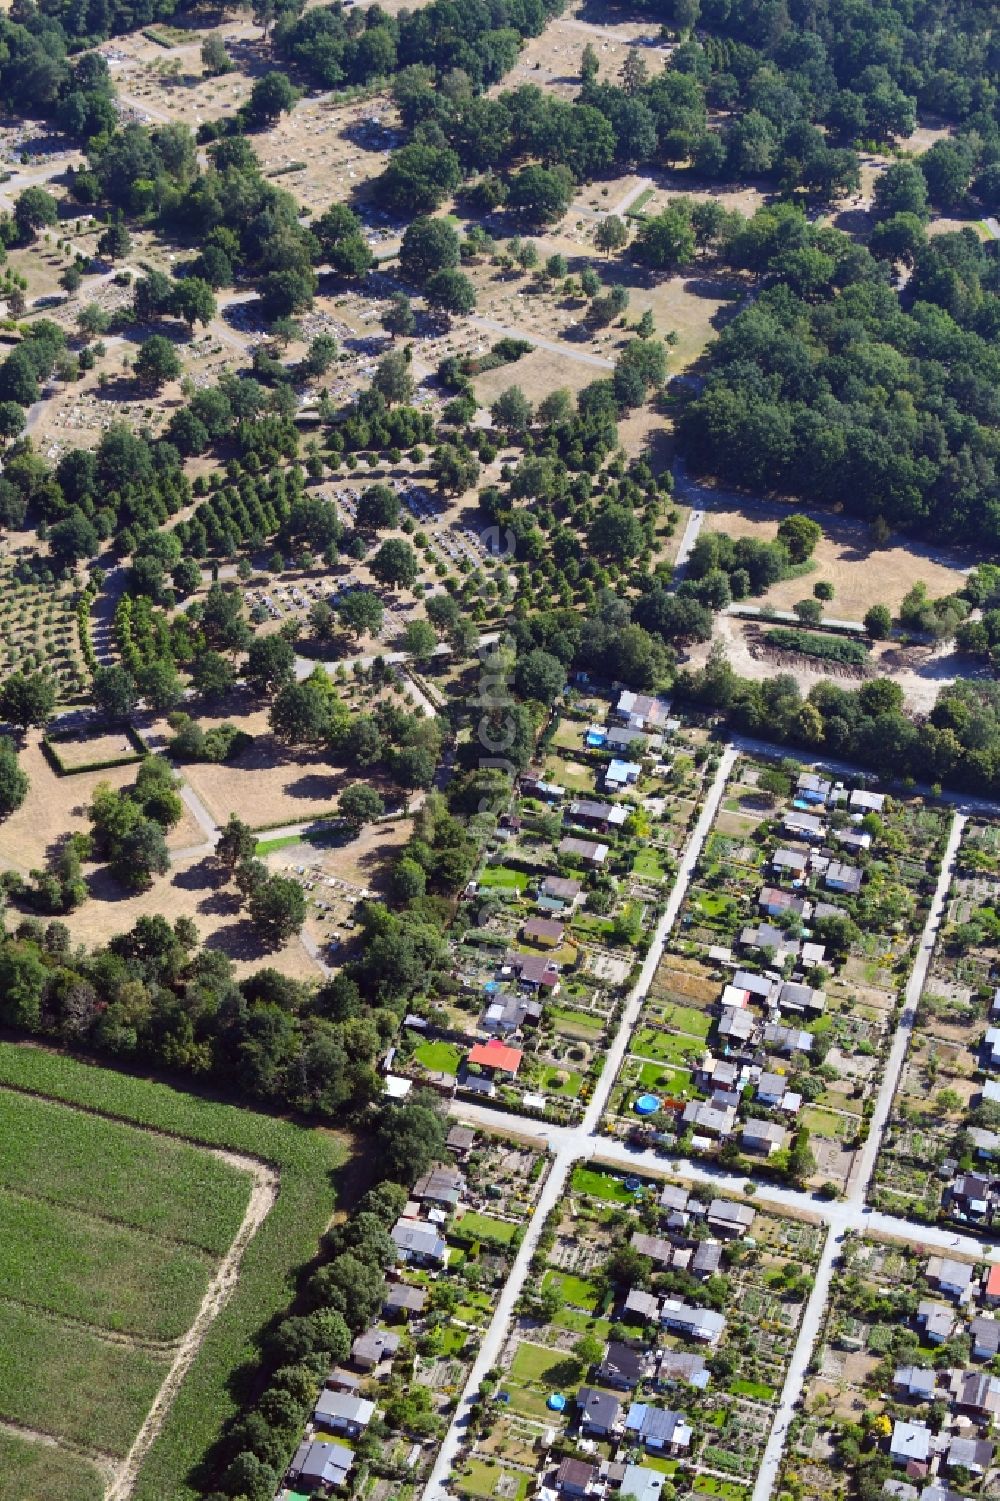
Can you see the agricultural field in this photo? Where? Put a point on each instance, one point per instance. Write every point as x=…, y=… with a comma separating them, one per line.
x=779, y=916
x=621, y=1264
x=145, y=1248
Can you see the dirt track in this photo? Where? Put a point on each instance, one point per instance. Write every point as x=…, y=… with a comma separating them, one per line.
x=262, y=1198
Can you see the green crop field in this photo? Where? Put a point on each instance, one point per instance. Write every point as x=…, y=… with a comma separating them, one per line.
x=163, y=1212
x=71, y=1383
x=150, y=1182
x=28, y=1469
x=106, y=1275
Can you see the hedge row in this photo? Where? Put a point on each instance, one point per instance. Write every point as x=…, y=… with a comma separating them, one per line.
x=824, y=648
x=49, y=743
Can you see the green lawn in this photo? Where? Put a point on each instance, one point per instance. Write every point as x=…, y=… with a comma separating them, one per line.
x=482, y=1478
x=729, y=1490
x=687, y=1019
x=503, y=878
x=439, y=1057
x=826, y=1123
x=647, y=863
x=534, y=1365
x=672, y=1081
x=473, y=1226
x=753, y=1389
x=579, y=1292
x=667, y=1047
x=575, y=1023
x=558, y=1081
x=713, y=905
x=586, y=1180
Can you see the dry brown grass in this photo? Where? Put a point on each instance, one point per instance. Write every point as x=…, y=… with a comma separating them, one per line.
x=187, y=891
x=861, y=575
x=56, y=806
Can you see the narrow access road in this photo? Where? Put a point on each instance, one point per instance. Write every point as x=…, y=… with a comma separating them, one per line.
x=630, y=1013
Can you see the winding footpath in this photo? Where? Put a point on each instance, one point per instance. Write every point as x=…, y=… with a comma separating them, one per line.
x=572, y=1144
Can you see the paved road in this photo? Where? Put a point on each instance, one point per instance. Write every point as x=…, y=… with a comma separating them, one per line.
x=692, y=531
x=570, y=1144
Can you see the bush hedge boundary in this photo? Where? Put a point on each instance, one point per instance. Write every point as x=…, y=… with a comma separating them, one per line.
x=50, y=742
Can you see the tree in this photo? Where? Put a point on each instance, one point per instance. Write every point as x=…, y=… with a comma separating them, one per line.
x=399, y=319
x=27, y=698
x=667, y=241
x=409, y=1138
x=800, y=535
x=428, y=245
x=455, y=468
x=378, y=509
x=140, y=854
x=418, y=178
x=92, y=321
x=419, y=640
x=541, y=195
x=361, y=611
x=156, y=363
x=359, y=804
x=616, y=533
x=73, y=538
x=270, y=663
x=115, y=242
x=878, y=622
x=11, y=420
x=611, y=234
x=273, y=94
x=539, y=675
x=341, y=235
x=115, y=692
x=277, y=908
x=451, y=291
x=193, y=300
x=34, y=209
x=901, y=189
x=13, y=781
x=512, y=411
x=236, y=843
x=394, y=377
x=211, y=674
x=641, y=366
x=308, y=713
x=809, y=611
x=633, y=71
x=215, y=59
x=395, y=564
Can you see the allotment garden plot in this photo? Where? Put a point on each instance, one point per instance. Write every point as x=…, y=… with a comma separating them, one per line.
x=654, y=1336
x=901, y=1386
x=761, y=1039
x=112, y=1236
x=939, y=1155
x=572, y=883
